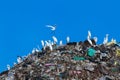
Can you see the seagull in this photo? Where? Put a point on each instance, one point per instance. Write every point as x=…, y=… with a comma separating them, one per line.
x=55, y=39
x=106, y=39
x=68, y=39
x=53, y=28
x=8, y=67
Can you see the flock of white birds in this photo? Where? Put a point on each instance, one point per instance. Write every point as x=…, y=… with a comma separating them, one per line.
x=49, y=43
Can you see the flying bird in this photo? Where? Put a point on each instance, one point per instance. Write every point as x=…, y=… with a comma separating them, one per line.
x=53, y=28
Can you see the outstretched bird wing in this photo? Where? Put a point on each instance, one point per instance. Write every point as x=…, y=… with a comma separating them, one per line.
x=52, y=27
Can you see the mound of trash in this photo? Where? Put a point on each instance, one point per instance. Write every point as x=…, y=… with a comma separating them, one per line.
x=72, y=61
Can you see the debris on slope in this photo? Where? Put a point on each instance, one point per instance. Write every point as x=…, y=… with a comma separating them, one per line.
x=73, y=61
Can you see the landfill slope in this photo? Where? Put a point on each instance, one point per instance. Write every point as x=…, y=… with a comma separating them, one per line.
x=73, y=61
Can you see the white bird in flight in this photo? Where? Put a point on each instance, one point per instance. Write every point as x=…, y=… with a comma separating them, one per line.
x=53, y=28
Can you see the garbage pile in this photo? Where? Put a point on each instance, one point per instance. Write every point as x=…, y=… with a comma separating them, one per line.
x=73, y=61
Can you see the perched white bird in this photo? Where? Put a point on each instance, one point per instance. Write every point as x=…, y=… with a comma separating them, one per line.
x=89, y=34
x=38, y=47
x=95, y=39
x=42, y=42
x=47, y=43
x=68, y=39
x=24, y=57
x=113, y=40
x=51, y=48
x=33, y=51
x=8, y=67
x=61, y=43
x=106, y=39
x=50, y=42
x=88, y=37
x=53, y=28
x=19, y=60
x=36, y=50
x=14, y=63
x=55, y=39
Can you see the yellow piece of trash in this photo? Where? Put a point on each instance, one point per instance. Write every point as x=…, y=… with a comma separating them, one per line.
x=118, y=52
x=110, y=43
x=115, y=63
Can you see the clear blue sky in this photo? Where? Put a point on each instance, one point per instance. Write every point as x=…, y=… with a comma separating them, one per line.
x=22, y=23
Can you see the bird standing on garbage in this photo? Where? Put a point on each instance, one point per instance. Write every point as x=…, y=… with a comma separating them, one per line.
x=55, y=39
x=43, y=44
x=61, y=43
x=68, y=39
x=19, y=60
x=106, y=39
x=8, y=67
x=88, y=37
x=51, y=48
x=14, y=63
x=95, y=39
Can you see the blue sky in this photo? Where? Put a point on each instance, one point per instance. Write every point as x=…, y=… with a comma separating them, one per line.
x=22, y=23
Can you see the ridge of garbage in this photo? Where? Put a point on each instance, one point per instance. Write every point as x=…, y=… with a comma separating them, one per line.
x=73, y=61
